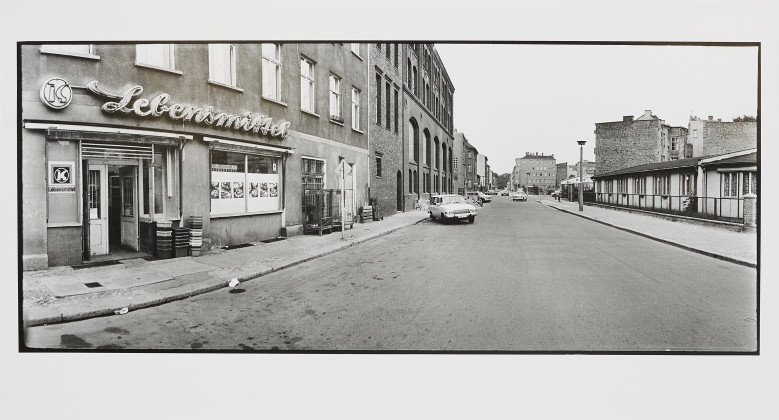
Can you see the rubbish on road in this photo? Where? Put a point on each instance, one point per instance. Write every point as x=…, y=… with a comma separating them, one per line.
x=233, y=283
x=121, y=311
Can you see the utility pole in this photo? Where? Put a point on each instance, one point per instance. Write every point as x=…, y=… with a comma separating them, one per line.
x=581, y=174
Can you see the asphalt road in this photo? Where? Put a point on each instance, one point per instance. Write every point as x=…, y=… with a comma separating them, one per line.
x=523, y=277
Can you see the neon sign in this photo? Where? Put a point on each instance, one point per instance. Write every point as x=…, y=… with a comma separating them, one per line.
x=158, y=106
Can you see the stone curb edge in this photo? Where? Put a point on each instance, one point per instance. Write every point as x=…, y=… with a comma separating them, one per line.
x=667, y=242
x=62, y=318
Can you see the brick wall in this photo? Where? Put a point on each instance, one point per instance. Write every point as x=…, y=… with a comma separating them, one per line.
x=385, y=142
x=624, y=144
x=725, y=137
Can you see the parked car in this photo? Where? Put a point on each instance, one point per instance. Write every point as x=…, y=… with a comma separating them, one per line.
x=484, y=197
x=451, y=207
x=519, y=196
x=504, y=193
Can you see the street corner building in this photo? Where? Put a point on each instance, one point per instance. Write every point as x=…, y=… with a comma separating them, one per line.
x=117, y=139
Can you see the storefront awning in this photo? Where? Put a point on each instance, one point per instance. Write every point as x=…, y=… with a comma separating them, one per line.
x=249, y=145
x=107, y=130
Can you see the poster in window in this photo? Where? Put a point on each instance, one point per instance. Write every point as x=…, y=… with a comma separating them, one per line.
x=214, y=190
x=253, y=190
x=237, y=189
x=273, y=190
x=226, y=190
x=263, y=189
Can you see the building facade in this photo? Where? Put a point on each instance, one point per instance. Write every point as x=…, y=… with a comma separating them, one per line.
x=428, y=96
x=118, y=137
x=638, y=141
x=715, y=137
x=713, y=185
x=537, y=171
x=469, y=161
x=385, y=126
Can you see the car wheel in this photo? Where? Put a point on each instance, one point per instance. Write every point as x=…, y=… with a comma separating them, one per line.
x=471, y=219
x=431, y=216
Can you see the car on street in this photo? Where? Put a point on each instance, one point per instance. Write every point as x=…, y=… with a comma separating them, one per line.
x=504, y=193
x=519, y=196
x=451, y=207
x=484, y=197
x=478, y=196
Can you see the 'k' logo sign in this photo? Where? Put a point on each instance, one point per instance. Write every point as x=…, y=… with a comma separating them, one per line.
x=62, y=175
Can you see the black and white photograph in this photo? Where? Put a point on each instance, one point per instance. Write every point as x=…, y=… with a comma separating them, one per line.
x=494, y=206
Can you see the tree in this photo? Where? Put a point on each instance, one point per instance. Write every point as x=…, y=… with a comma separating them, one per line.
x=502, y=181
x=745, y=118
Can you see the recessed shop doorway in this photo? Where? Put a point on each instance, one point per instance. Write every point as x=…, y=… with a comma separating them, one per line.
x=112, y=208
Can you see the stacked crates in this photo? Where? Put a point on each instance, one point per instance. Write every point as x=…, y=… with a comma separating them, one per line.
x=195, y=235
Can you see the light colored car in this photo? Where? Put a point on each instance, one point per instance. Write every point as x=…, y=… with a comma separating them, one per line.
x=519, y=196
x=484, y=197
x=504, y=193
x=451, y=207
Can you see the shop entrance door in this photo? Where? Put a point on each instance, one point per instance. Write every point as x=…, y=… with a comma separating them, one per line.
x=97, y=189
x=128, y=176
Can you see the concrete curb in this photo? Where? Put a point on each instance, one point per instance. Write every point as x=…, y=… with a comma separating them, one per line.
x=665, y=241
x=209, y=286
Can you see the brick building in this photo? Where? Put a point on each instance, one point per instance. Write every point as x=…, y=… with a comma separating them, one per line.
x=118, y=137
x=534, y=170
x=469, y=159
x=428, y=125
x=385, y=116
x=715, y=137
x=638, y=141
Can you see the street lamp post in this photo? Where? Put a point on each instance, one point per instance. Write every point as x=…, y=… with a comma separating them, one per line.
x=527, y=183
x=581, y=174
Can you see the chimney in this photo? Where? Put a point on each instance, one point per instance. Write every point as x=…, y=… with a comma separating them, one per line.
x=711, y=118
x=648, y=113
x=627, y=118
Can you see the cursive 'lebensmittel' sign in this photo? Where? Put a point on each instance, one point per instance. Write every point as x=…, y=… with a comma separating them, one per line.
x=128, y=102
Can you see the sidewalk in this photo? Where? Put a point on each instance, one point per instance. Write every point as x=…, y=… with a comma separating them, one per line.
x=721, y=243
x=61, y=294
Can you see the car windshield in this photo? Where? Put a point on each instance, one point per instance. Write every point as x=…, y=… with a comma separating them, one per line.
x=455, y=199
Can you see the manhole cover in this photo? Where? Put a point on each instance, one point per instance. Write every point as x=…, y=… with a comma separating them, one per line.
x=93, y=284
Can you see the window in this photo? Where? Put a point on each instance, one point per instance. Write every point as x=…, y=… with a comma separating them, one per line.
x=414, y=139
x=221, y=63
x=662, y=185
x=396, y=110
x=78, y=50
x=157, y=185
x=749, y=181
x=455, y=163
x=388, y=102
x=313, y=171
x=378, y=99
x=335, y=98
x=271, y=71
x=695, y=133
x=427, y=147
x=397, y=54
x=378, y=165
x=307, y=85
x=244, y=183
x=410, y=181
x=356, y=49
x=355, y=108
x=688, y=184
x=674, y=143
x=388, y=51
x=157, y=55
x=639, y=186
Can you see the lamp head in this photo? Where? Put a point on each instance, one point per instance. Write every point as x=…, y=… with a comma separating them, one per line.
x=581, y=142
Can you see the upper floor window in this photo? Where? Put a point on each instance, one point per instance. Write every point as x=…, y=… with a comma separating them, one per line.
x=356, y=49
x=355, y=108
x=221, y=63
x=76, y=50
x=695, y=133
x=157, y=55
x=271, y=71
x=307, y=84
x=674, y=143
x=335, y=98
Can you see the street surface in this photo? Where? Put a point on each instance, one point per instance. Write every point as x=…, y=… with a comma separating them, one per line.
x=523, y=277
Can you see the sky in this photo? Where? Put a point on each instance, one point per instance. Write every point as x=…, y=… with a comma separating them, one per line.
x=515, y=98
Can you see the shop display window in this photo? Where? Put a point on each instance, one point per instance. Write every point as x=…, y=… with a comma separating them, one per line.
x=244, y=183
